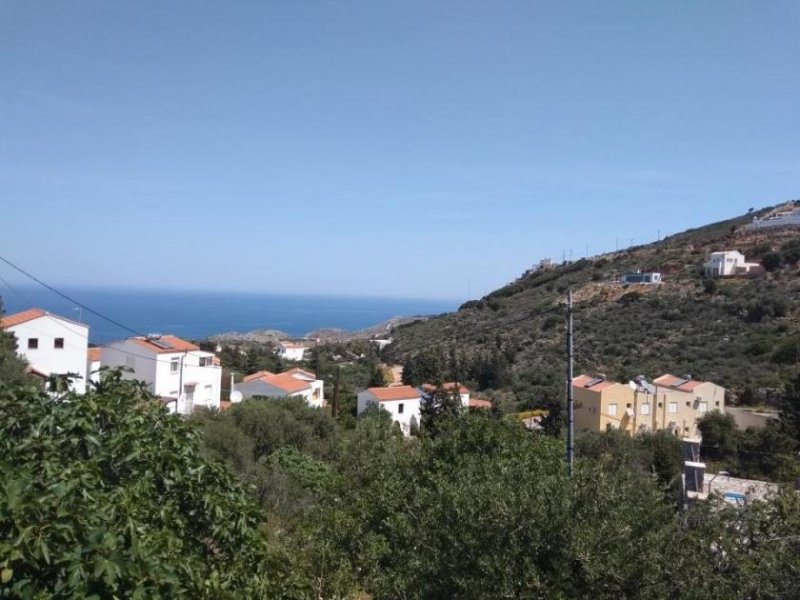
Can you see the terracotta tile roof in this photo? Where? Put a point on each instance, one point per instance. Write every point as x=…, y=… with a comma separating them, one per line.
x=677, y=383
x=479, y=403
x=95, y=354
x=303, y=372
x=30, y=314
x=22, y=317
x=176, y=344
x=584, y=381
x=216, y=361
x=400, y=392
x=449, y=386
x=258, y=375
x=287, y=382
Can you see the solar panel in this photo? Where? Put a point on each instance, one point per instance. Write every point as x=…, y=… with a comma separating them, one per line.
x=161, y=344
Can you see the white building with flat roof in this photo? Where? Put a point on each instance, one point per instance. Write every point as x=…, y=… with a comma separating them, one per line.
x=727, y=263
x=52, y=344
x=292, y=350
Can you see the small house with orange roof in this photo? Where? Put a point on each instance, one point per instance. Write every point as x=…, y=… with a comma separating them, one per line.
x=294, y=382
x=402, y=402
x=52, y=344
x=183, y=375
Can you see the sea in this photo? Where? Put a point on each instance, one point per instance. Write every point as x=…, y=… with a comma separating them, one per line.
x=197, y=315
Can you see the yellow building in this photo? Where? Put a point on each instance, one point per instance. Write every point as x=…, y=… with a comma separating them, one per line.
x=669, y=402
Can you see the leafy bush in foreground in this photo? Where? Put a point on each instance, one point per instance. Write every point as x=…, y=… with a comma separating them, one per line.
x=106, y=495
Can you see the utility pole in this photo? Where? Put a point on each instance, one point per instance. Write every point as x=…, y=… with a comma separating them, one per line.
x=570, y=398
x=335, y=401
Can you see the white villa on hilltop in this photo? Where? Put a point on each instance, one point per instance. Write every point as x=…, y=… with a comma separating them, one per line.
x=786, y=216
x=728, y=263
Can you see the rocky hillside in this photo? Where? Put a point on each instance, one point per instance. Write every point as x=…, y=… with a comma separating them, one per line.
x=742, y=333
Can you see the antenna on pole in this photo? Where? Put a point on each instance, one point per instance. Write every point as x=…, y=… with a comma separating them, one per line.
x=570, y=398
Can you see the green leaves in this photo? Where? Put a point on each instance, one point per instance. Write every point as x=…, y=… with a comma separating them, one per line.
x=108, y=495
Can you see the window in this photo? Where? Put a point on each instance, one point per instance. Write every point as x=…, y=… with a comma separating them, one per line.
x=612, y=409
x=58, y=343
x=702, y=407
x=400, y=408
x=644, y=409
x=33, y=343
x=173, y=365
x=673, y=407
x=208, y=391
x=205, y=361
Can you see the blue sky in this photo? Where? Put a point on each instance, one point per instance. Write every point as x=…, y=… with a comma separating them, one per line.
x=420, y=149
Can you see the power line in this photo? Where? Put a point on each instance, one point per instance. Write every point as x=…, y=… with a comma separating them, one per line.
x=58, y=320
x=66, y=297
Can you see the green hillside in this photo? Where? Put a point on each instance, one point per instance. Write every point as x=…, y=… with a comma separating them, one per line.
x=741, y=333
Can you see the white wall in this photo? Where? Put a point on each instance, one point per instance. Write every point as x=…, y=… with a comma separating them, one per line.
x=721, y=264
x=291, y=353
x=92, y=370
x=409, y=415
x=49, y=359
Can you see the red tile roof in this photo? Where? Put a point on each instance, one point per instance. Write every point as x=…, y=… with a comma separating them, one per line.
x=30, y=314
x=677, y=383
x=584, y=380
x=95, y=354
x=400, y=392
x=258, y=375
x=177, y=344
x=22, y=317
x=480, y=403
x=302, y=372
x=287, y=382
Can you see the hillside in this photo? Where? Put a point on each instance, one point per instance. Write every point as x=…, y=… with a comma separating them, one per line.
x=741, y=333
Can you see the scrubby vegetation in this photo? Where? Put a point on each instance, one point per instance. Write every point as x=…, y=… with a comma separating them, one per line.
x=742, y=333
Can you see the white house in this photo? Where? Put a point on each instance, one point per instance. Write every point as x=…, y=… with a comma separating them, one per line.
x=52, y=345
x=788, y=215
x=639, y=277
x=727, y=263
x=93, y=362
x=294, y=382
x=292, y=350
x=402, y=402
x=180, y=373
